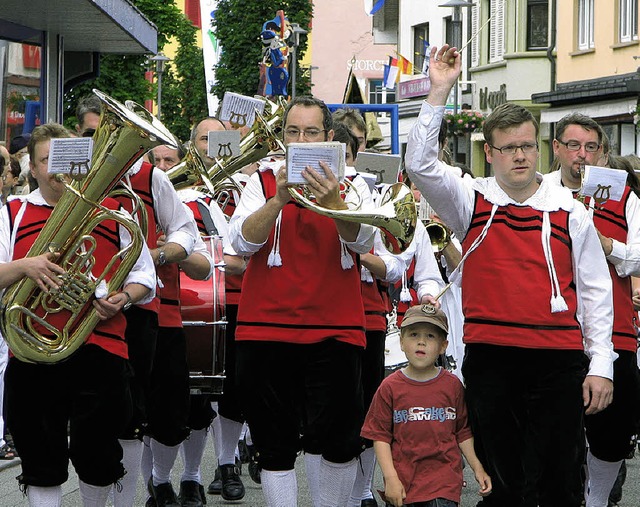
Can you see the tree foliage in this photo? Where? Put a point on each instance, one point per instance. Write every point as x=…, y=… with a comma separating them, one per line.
x=238, y=24
x=123, y=76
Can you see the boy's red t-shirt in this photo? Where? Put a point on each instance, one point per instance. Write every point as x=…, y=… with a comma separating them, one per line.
x=423, y=422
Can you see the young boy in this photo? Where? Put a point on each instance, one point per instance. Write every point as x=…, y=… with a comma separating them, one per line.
x=418, y=421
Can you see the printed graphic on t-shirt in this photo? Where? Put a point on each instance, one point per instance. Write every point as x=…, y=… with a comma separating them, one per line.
x=438, y=414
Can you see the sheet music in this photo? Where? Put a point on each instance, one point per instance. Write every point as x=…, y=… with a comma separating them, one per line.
x=240, y=110
x=301, y=155
x=70, y=155
x=603, y=183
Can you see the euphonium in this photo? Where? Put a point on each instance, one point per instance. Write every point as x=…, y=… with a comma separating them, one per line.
x=396, y=217
x=190, y=172
x=262, y=139
x=121, y=138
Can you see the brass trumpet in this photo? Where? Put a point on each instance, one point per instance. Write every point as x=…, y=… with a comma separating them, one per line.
x=439, y=234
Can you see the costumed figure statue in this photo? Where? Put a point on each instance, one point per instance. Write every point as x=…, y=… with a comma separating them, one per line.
x=274, y=75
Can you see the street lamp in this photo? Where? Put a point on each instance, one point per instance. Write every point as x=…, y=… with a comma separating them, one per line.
x=297, y=32
x=456, y=35
x=160, y=60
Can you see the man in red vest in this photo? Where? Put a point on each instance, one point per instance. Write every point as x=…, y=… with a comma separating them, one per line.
x=536, y=296
x=578, y=142
x=300, y=332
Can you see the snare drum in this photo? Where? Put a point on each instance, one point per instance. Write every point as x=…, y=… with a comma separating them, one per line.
x=203, y=318
x=394, y=358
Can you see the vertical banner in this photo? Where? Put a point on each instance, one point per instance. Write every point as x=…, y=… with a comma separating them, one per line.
x=210, y=51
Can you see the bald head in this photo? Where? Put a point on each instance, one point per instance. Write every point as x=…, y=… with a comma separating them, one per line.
x=200, y=138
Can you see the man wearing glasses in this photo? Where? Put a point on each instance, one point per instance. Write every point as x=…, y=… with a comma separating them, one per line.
x=578, y=142
x=536, y=295
x=300, y=330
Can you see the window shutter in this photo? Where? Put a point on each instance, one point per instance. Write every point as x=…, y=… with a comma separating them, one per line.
x=496, y=44
x=475, y=44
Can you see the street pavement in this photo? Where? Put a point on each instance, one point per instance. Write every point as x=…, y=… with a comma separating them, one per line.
x=10, y=495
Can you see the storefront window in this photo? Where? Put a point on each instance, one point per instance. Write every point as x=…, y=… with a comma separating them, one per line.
x=20, y=80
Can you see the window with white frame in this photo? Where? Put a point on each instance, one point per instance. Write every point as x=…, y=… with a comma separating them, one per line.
x=420, y=44
x=585, y=24
x=378, y=94
x=628, y=20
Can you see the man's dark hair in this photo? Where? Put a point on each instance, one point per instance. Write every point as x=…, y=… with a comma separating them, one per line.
x=584, y=121
x=88, y=104
x=309, y=101
x=506, y=116
x=343, y=134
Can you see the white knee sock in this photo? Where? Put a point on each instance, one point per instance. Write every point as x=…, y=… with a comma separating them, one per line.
x=131, y=456
x=336, y=482
x=191, y=451
x=312, y=467
x=94, y=496
x=163, y=459
x=229, y=435
x=44, y=497
x=216, y=432
x=146, y=463
x=280, y=489
x=364, y=476
x=601, y=476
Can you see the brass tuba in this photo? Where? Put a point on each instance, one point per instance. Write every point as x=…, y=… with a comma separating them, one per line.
x=121, y=138
x=396, y=216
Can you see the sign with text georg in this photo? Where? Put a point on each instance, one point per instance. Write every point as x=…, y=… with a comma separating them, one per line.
x=414, y=88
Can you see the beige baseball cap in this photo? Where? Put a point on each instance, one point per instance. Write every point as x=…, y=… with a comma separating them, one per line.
x=425, y=313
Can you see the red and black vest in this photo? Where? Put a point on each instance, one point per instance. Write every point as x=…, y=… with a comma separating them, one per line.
x=611, y=220
x=506, y=290
x=233, y=283
x=376, y=305
x=141, y=183
x=308, y=299
x=108, y=334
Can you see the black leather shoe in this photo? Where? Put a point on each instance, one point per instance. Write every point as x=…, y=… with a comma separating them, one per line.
x=190, y=494
x=163, y=494
x=232, y=487
x=215, y=488
x=369, y=502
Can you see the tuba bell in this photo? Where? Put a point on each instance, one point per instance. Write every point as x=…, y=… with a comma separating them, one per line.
x=121, y=138
x=396, y=216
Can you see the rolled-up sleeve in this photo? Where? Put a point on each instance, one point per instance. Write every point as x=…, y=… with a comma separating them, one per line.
x=172, y=218
x=251, y=201
x=143, y=271
x=625, y=257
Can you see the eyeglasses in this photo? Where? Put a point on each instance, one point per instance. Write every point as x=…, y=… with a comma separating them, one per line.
x=511, y=149
x=293, y=133
x=575, y=146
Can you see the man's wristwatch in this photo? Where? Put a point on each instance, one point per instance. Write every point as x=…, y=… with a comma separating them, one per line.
x=129, y=302
x=162, y=258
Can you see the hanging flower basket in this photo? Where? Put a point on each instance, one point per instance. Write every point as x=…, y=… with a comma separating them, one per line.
x=464, y=121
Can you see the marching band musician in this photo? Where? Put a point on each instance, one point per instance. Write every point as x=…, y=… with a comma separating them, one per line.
x=579, y=141
x=154, y=332
x=301, y=322
x=210, y=221
x=526, y=332
x=90, y=390
x=227, y=426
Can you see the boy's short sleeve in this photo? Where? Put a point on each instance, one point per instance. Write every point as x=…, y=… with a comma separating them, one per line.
x=463, y=430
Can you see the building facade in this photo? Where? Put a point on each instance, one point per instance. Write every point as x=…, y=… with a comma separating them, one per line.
x=597, y=69
x=48, y=46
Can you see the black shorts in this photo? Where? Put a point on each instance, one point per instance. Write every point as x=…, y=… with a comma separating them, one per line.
x=168, y=402
x=305, y=397
x=88, y=394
